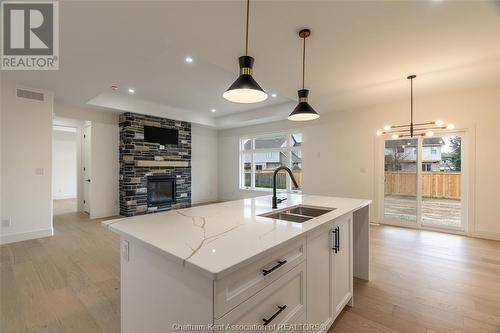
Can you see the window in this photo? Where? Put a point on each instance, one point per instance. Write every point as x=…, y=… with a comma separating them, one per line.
x=261, y=155
x=426, y=167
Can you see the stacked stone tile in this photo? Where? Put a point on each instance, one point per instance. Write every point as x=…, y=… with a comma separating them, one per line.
x=133, y=179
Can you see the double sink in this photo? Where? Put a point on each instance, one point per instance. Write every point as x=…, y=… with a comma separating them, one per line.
x=298, y=214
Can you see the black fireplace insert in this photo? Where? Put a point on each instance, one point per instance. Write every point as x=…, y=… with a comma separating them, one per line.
x=161, y=190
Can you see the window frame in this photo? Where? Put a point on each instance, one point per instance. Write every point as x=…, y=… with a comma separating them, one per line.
x=288, y=149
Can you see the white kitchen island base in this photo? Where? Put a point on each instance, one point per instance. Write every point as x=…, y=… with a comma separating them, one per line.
x=223, y=267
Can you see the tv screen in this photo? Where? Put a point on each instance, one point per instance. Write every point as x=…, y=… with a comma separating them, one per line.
x=163, y=136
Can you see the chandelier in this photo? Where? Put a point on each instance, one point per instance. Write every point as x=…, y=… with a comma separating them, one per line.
x=414, y=129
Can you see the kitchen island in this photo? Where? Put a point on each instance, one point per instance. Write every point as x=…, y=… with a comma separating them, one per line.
x=231, y=266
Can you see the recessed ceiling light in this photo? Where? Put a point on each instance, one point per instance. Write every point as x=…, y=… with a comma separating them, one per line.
x=213, y=110
x=131, y=90
x=189, y=60
x=274, y=95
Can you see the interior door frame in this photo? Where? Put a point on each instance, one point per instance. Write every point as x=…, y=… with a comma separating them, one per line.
x=464, y=180
x=86, y=169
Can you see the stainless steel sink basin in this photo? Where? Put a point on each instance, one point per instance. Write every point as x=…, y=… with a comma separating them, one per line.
x=298, y=214
x=288, y=217
x=309, y=211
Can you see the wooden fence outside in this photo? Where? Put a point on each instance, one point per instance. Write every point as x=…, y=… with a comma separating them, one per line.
x=264, y=178
x=434, y=184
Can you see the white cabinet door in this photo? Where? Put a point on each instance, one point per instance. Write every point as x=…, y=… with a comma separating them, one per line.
x=319, y=275
x=342, y=263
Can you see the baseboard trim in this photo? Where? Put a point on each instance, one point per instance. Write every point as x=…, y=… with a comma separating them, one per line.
x=63, y=197
x=486, y=235
x=22, y=236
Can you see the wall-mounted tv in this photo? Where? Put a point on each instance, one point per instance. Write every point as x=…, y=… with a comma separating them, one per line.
x=163, y=136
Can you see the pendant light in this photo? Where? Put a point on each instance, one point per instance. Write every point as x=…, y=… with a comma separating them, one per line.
x=245, y=89
x=414, y=129
x=303, y=111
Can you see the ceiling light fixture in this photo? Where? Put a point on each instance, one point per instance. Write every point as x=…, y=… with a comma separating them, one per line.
x=274, y=95
x=131, y=90
x=303, y=111
x=213, y=110
x=414, y=129
x=189, y=60
x=245, y=89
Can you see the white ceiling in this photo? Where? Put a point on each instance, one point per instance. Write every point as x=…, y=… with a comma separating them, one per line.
x=359, y=54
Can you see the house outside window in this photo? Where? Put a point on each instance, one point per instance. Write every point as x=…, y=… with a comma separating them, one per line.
x=261, y=155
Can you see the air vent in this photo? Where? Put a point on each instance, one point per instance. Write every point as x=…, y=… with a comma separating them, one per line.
x=22, y=93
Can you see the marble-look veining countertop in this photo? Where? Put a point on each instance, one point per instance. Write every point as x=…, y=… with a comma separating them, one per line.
x=216, y=238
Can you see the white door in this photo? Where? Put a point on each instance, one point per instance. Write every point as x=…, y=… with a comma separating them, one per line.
x=319, y=275
x=342, y=267
x=86, y=164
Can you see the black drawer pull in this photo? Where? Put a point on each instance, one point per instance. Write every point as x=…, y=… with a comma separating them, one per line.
x=334, y=248
x=268, y=321
x=338, y=238
x=278, y=265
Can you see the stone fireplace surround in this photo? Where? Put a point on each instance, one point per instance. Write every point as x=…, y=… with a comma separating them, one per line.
x=139, y=159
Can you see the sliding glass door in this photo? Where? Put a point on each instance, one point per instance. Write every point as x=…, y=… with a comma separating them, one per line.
x=400, y=185
x=423, y=182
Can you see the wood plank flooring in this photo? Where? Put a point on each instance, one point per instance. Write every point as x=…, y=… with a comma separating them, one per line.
x=421, y=282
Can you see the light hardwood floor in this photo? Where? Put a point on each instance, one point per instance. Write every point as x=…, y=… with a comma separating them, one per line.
x=421, y=282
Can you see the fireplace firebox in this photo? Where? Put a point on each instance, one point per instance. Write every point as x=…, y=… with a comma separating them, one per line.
x=161, y=190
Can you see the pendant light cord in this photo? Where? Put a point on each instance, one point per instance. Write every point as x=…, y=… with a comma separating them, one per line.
x=248, y=15
x=303, y=63
x=411, y=107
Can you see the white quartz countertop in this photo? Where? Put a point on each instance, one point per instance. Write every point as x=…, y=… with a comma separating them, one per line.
x=217, y=238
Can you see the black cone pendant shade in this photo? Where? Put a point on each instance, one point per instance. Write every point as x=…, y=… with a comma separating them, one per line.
x=245, y=89
x=303, y=111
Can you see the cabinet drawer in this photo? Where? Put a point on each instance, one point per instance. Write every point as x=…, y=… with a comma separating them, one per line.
x=247, y=281
x=280, y=303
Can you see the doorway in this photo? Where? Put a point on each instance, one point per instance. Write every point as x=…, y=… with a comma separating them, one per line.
x=424, y=182
x=64, y=173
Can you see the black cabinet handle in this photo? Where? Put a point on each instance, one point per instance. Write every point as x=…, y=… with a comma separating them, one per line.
x=280, y=309
x=270, y=270
x=334, y=248
x=338, y=238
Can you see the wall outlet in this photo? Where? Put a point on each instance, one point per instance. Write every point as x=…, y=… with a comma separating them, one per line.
x=39, y=171
x=6, y=223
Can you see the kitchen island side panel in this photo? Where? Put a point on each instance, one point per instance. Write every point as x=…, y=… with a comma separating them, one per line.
x=157, y=293
x=361, y=243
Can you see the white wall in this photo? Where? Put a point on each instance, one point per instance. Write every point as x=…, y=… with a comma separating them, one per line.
x=339, y=151
x=204, y=164
x=105, y=170
x=64, y=164
x=26, y=161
